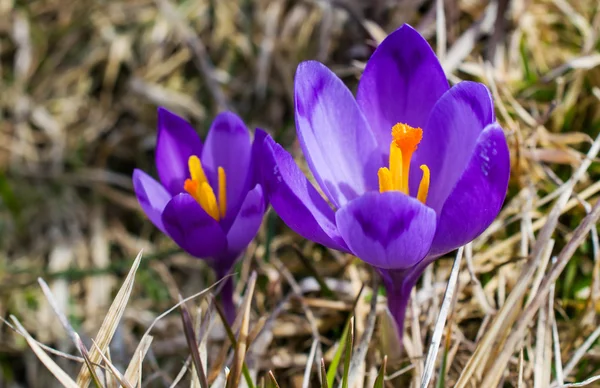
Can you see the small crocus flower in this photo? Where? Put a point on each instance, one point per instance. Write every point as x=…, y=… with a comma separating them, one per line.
x=208, y=200
x=412, y=169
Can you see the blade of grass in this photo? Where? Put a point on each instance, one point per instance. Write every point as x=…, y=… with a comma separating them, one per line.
x=134, y=369
x=324, y=383
x=56, y=370
x=441, y=321
x=335, y=362
x=348, y=353
x=190, y=337
x=380, y=376
x=242, y=342
x=110, y=323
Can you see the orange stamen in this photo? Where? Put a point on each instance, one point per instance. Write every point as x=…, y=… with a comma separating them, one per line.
x=405, y=140
x=222, y=192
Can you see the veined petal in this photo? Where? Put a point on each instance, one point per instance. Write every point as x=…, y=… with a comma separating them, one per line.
x=248, y=220
x=176, y=142
x=295, y=200
x=389, y=230
x=228, y=145
x=477, y=196
x=401, y=83
x=152, y=196
x=335, y=138
x=192, y=228
x=449, y=139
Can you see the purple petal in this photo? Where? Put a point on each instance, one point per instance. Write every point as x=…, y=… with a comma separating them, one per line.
x=176, y=142
x=247, y=222
x=152, y=196
x=400, y=84
x=228, y=145
x=477, y=196
x=449, y=138
x=295, y=199
x=389, y=230
x=192, y=228
x=333, y=133
x=254, y=175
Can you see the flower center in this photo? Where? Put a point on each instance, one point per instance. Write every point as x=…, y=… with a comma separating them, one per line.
x=199, y=188
x=405, y=140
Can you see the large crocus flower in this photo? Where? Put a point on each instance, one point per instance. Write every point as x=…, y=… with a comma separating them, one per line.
x=208, y=199
x=412, y=169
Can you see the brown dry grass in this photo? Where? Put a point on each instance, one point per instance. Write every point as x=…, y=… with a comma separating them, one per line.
x=79, y=86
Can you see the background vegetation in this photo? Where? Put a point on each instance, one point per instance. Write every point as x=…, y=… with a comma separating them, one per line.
x=79, y=85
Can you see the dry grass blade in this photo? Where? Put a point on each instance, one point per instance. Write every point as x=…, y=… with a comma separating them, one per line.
x=484, y=347
x=109, y=325
x=272, y=382
x=242, y=341
x=56, y=370
x=441, y=321
x=134, y=369
x=309, y=364
x=581, y=384
x=115, y=372
x=190, y=337
x=359, y=355
x=91, y=366
x=495, y=371
x=323, y=375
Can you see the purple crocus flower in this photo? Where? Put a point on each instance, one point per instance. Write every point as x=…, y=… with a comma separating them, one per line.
x=412, y=169
x=208, y=200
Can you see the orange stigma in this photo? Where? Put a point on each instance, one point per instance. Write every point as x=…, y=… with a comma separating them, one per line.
x=199, y=188
x=405, y=140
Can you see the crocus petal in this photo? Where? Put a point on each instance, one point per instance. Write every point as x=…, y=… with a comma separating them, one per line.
x=400, y=84
x=449, y=138
x=333, y=133
x=477, y=196
x=246, y=224
x=152, y=196
x=389, y=230
x=295, y=199
x=228, y=145
x=176, y=142
x=192, y=228
x=254, y=175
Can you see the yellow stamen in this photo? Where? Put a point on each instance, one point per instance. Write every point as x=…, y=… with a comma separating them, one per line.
x=405, y=140
x=208, y=201
x=424, y=185
x=196, y=170
x=222, y=192
x=385, y=180
x=199, y=188
x=396, y=167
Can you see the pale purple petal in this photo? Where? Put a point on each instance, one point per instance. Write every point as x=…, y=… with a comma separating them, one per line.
x=449, y=139
x=295, y=200
x=400, y=84
x=246, y=224
x=152, y=196
x=192, y=228
x=477, y=196
x=335, y=138
x=228, y=145
x=176, y=142
x=389, y=230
